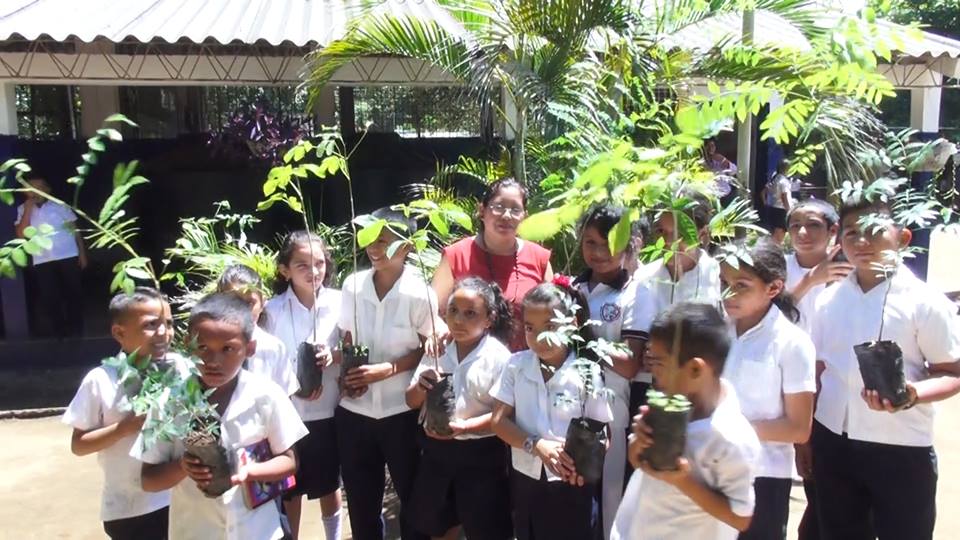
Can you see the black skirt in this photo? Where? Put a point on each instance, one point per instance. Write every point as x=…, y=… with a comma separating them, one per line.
x=463, y=482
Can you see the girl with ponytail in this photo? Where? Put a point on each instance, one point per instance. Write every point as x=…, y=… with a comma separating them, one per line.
x=539, y=392
x=771, y=365
x=462, y=479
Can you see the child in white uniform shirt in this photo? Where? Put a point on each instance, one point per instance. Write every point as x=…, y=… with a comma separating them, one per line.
x=251, y=409
x=142, y=324
x=462, y=477
x=270, y=360
x=611, y=296
x=771, y=366
x=876, y=462
x=690, y=275
x=391, y=310
x=307, y=309
x=813, y=224
x=710, y=494
x=537, y=395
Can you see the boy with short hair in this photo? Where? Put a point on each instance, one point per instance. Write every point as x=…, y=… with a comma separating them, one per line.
x=141, y=322
x=251, y=409
x=877, y=462
x=710, y=496
x=395, y=310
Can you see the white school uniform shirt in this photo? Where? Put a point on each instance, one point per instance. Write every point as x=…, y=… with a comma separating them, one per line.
x=773, y=358
x=701, y=284
x=292, y=323
x=258, y=409
x=64, y=239
x=722, y=450
x=545, y=409
x=472, y=378
x=807, y=304
x=272, y=361
x=100, y=402
x=613, y=307
x=917, y=317
x=390, y=328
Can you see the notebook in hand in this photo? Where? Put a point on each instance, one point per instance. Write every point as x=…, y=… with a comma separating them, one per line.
x=257, y=493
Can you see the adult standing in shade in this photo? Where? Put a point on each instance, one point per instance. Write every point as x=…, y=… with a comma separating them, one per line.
x=496, y=254
x=58, y=291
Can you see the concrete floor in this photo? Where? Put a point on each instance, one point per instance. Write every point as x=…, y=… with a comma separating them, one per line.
x=52, y=494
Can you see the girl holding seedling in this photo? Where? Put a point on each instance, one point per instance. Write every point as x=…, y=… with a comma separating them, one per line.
x=270, y=360
x=771, y=366
x=538, y=394
x=304, y=316
x=622, y=310
x=462, y=478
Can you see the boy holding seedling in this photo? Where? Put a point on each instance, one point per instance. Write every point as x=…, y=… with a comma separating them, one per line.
x=251, y=409
x=394, y=310
x=709, y=493
x=142, y=324
x=875, y=459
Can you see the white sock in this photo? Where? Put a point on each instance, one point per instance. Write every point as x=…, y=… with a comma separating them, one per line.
x=331, y=526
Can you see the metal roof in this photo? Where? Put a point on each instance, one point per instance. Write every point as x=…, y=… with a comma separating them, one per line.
x=297, y=22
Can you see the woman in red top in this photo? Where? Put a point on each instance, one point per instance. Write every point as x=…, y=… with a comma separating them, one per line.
x=496, y=254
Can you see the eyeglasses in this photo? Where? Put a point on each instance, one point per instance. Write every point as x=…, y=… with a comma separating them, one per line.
x=500, y=210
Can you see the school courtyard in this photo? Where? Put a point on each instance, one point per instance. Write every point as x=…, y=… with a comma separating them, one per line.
x=52, y=494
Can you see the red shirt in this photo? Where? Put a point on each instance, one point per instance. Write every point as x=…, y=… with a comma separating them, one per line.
x=516, y=274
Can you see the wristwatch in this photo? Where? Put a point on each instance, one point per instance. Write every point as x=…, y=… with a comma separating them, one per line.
x=530, y=444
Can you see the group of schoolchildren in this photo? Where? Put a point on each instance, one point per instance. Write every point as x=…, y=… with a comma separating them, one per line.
x=762, y=372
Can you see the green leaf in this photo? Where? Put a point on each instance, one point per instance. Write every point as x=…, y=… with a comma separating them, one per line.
x=369, y=234
x=19, y=257
x=117, y=117
x=6, y=196
x=139, y=273
x=687, y=229
x=620, y=235
x=110, y=133
x=541, y=226
x=32, y=248
x=96, y=144
x=438, y=223
x=29, y=231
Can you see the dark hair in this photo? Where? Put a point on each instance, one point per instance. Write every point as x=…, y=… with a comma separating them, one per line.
x=290, y=243
x=554, y=297
x=494, y=188
x=703, y=333
x=860, y=204
x=604, y=217
x=700, y=210
x=768, y=264
x=822, y=207
x=241, y=279
x=498, y=309
x=121, y=303
x=388, y=214
x=223, y=307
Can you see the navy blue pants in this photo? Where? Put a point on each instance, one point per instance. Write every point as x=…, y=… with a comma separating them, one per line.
x=152, y=526
x=871, y=490
x=556, y=510
x=771, y=511
x=366, y=445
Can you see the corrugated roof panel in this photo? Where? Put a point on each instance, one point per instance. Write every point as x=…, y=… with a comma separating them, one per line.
x=300, y=22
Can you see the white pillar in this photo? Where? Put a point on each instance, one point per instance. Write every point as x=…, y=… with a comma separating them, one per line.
x=8, y=109
x=98, y=102
x=925, y=108
x=325, y=107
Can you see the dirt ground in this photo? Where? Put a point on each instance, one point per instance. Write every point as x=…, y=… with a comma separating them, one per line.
x=52, y=494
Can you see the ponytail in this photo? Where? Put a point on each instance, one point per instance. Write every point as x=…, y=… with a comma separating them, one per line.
x=765, y=259
x=787, y=305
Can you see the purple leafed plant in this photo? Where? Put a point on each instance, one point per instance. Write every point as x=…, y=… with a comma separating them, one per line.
x=257, y=132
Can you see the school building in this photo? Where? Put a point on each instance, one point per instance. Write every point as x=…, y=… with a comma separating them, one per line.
x=181, y=69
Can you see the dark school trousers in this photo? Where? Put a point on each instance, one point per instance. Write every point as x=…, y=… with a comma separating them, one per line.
x=771, y=511
x=873, y=490
x=58, y=298
x=809, y=528
x=152, y=526
x=544, y=510
x=366, y=445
